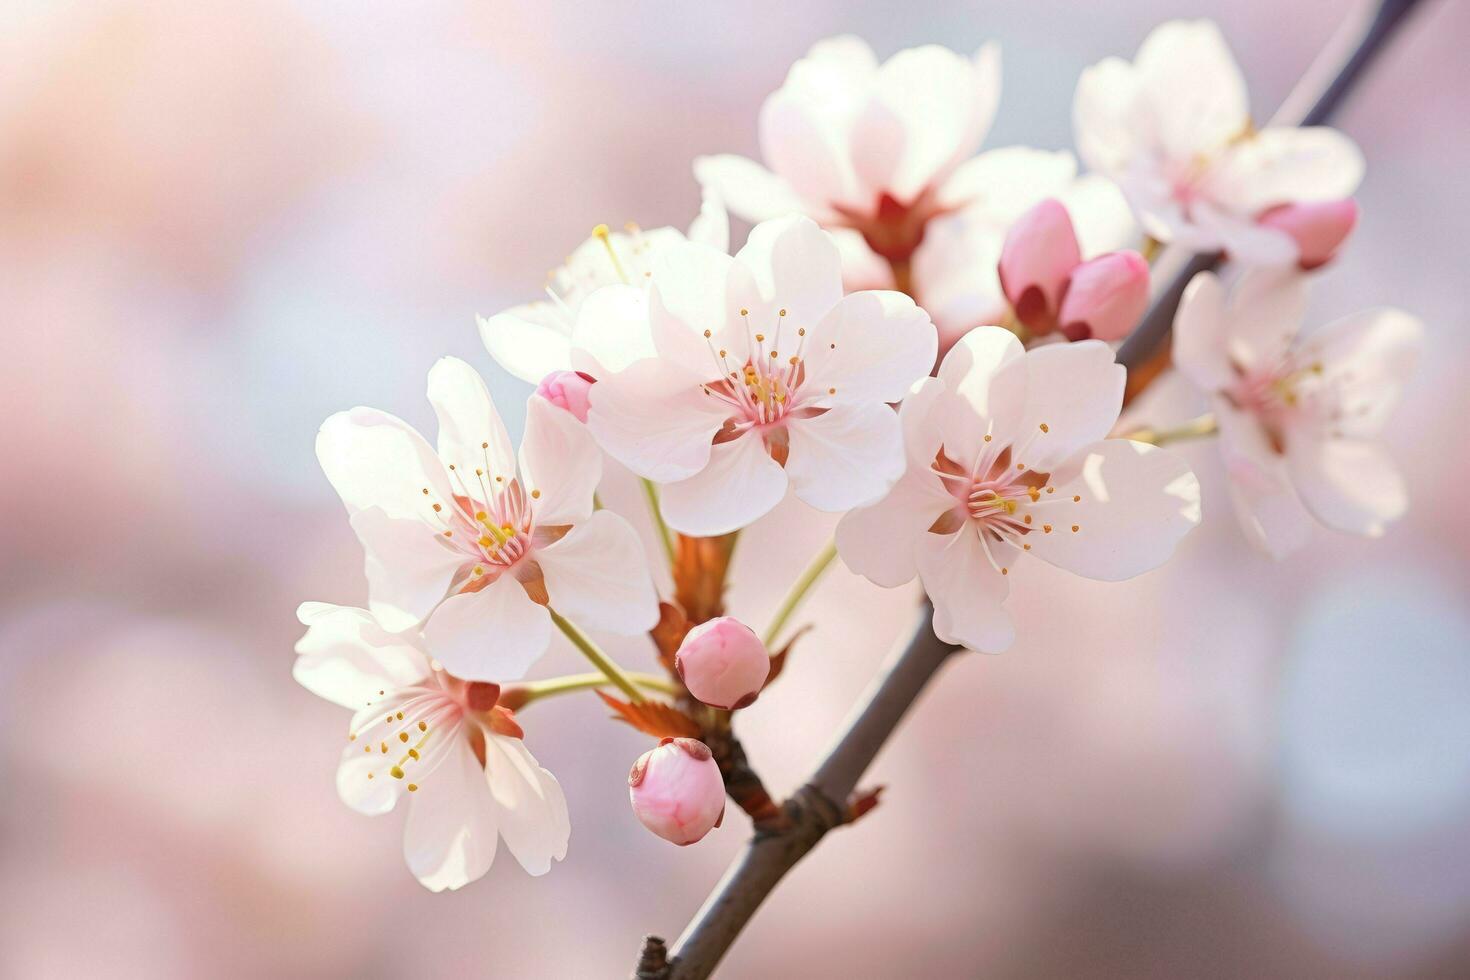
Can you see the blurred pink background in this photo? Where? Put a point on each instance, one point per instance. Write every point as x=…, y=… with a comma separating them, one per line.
x=224, y=221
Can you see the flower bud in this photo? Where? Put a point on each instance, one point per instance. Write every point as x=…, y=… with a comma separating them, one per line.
x=567, y=390
x=677, y=791
x=1106, y=297
x=1318, y=229
x=1040, y=252
x=723, y=663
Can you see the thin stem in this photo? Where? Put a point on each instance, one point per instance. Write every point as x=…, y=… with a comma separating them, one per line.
x=594, y=653
x=798, y=592
x=552, y=686
x=1198, y=428
x=664, y=536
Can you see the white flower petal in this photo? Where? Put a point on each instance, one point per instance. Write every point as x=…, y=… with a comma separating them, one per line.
x=529, y=341
x=862, y=268
x=985, y=373
x=1137, y=502
x=944, y=105
x=347, y=658
x=1003, y=184
x=691, y=295
x=879, y=542
x=612, y=331
x=1104, y=115
x=712, y=225
x=1076, y=392
x=532, y=808
x=801, y=145
x=871, y=347
x=450, y=837
x=747, y=188
x=1195, y=91
x=1269, y=510
x=847, y=457
x=471, y=434
x=1266, y=311
x=1201, y=332
x=407, y=564
x=376, y=460
x=1366, y=358
x=795, y=267
x=656, y=419
x=1348, y=484
x=740, y=485
x=968, y=592
x=1101, y=216
x=597, y=576
x=1281, y=165
x=494, y=634
x=560, y=464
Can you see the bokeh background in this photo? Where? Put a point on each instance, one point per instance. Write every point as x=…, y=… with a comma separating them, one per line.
x=220, y=222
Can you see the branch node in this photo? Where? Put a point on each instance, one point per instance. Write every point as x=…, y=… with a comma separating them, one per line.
x=653, y=961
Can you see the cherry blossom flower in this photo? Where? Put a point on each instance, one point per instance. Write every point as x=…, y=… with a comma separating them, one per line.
x=1008, y=455
x=955, y=269
x=875, y=148
x=677, y=791
x=1299, y=416
x=1050, y=288
x=475, y=545
x=1173, y=128
x=442, y=740
x=536, y=339
x=766, y=375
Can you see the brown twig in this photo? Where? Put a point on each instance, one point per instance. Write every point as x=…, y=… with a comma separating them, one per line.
x=821, y=805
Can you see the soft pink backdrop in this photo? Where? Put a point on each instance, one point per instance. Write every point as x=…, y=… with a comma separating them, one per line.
x=223, y=221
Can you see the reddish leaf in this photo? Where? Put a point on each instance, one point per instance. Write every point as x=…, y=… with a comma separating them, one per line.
x=778, y=659
x=862, y=801
x=669, y=632
x=654, y=718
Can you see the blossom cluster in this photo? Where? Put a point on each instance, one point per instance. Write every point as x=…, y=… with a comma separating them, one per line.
x=915, y=336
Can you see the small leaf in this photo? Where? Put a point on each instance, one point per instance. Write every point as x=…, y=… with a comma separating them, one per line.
x=778, y=660
x=669, y=632
x=653, y=718
x=862, y=802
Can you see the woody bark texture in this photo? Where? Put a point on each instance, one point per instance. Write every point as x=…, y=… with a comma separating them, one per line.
x=821, y=804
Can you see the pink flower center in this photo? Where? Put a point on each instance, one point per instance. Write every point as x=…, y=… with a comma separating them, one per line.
x=1282, y=396
x=1003, y=499
x=766, y=390
x=490, y=522
x=410, y=731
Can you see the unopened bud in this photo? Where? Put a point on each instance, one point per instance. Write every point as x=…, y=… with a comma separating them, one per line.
x=1318, y=229
x=1106, y=297
x=567, y=390
x=1039, y=255
x=723, y=663
x=677, y=791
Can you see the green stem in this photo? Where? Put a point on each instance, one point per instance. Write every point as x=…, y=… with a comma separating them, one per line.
x=799, y=591
x=594, y=653
x=651, y=492
x=1198, y=428
x=552, y=686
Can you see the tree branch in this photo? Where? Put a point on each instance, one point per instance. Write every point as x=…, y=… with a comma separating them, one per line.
x=821, y=804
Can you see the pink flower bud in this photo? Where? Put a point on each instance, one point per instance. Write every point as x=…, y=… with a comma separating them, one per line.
x=1106, y=297
x=568, y=390
x=1318, y=229
x=723, y=663
x=677, y=790
x=1040, y=252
